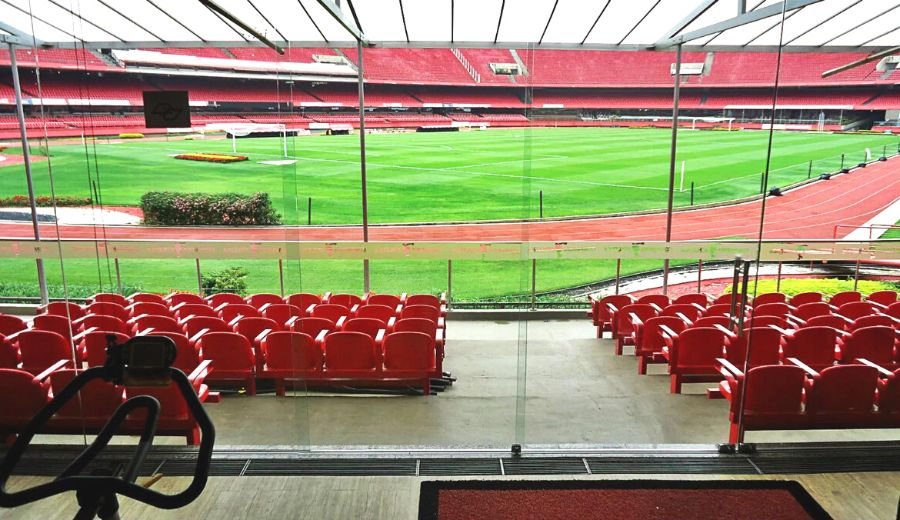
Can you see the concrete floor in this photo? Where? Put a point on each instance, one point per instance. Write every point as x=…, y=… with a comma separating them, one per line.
x=576, y=392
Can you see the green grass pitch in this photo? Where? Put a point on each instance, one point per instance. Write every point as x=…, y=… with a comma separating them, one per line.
x=494, y=174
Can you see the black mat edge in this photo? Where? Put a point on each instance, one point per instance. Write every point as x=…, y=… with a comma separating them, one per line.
x=429, y=490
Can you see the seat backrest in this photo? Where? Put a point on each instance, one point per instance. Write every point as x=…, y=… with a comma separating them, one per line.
x=845, y=297
x=31, y=395
x=701, y=299
x=349, y=351
x=151, y=308
x=601, y=309
x=219, y=298
x=725, y=299
x=329, y=311
x=408, y=351
x=872, y=320
x=186, y=356
x=147, y=298
x=118, y=299
x=10, y=324
x=423, y=299
x=843, y=388
x=292, y=350
x=689, y=310
x=281, y=312
x=379, y=312
x=765, y=321
x=710, y=321
x=72, y=311
x=889, y=394
x=99, y=398
x=368, y=326
x=893, y=310
x=303, y=300
x=873, y=343
x=103, y=322
x=772, y=297
x=250, y=328
x=9, y=354
x=41, y=348
x=883, y=297
x=344, y=299
x=94, y=345
x=772, y=309
x=182, y=311
x=312, y=326
x=765, y=347
x=108, y=309
x=172, y=405
x=698, y=346
x=260, y=299
x=811, y=345
x=417, y=325
x=805, y=297
x=718, y=309
x=829, y=320
x=195, y=324
x=191, y=298
x=227, y=350
x=772, y=389
x=391, y=300
x=660, y=300
x=644, y=311
x=158, y=323
x=231, y=311
x=853, y=310
x=651, y=340
x=806, y=311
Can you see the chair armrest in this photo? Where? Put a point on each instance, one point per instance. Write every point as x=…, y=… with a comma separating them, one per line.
x=684, y=318
x=398, y=309
x=846, y=319
x=443, y=298
x=877, y=305
x=326, y=297
x=199, y=374
x=196, y=337
x=341, y=323
x=354, y=309
x=235, y=320
x=320, y=339
x=636, y=321
x=309, y=310
x=611, y=309
x=698, y=306
x=264, y=307
x=15, y=336
x=365, y=297
x=392, y=322
x=668, y=332
x=797, y=322
x=806, y=368
x=727, y=368
x=52, y=368
x=784, y=332
x=379, y=338
x=728, y=334
x=881, y=370
x=145, y=332
x=81, y=335
x=259, y=337
x=439, y=336
x=175, y=308
x=290, y=321
x=657, y=307
x=442, y=323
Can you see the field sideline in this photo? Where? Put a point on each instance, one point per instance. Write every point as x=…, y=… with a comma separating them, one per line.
x=435, y=177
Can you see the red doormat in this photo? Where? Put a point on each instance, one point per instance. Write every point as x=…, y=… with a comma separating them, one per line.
x=616, y=499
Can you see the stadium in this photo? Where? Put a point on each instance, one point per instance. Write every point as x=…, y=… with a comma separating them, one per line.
x=664, y=237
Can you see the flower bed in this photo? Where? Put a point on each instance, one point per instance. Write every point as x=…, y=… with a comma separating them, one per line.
x=212, y=157
x=44, y=201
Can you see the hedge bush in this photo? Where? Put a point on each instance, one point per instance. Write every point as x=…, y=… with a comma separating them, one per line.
x=826, y=286
x=44, y=201
x=230, y=280
x=205, y=209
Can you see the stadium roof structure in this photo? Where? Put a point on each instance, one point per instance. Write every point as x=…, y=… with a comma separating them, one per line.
x=811, y=25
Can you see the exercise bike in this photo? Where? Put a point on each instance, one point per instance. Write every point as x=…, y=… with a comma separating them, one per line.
x=141, y=361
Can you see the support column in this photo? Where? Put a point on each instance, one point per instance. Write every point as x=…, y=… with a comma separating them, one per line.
x=26, y=157
x=672, y=152
x=362, y=158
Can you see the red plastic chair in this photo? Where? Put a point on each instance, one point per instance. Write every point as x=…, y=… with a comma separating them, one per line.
x=648, y=341
x=725, y=299
x=368, y=326
x=766, y=321
x=772, y=309
x=97, y=403
x=888, y=398
x=701, y=299
x=117, y=299
x=93, y=344
x=873, y=343
x=218, y=299
x=811, y=310
x=438, y=302
x=691, y=311
x=175, y=418
x=32, y=394
x=251, y=328
x=291, y=356
x=854, y=310
x=430, y=328
x=188, y=298
x=71, y=311
x=834, y=321
x=101, y=322
x=147, y=298
x=391, y=300
x=765, y=347
x=260, y=299
x=41, y=349
x=873, y=320
x=773, y=397
x=185, y=310
x=409, y=356
x=602, y=311
x=149, y=308
x=692, y=355
x=108, y=309
x=345, y=300
x=10, y=324
x=313, y=326
x=660, y=300
x=773, y=297
x=622, y=329
x=232, y=358
x=303, y=300
x=893, y=310
x=842, y=396
x=350, y=355
x=187, y=358
x=9, y=354
x=882, y=298
x=845, y=297
x=143, y=322
x=328, y=311
x=814, y=346
x=806, y=297
x=195, y=324
x=281, y=312
x=711, y=321
x=382, y=313
x=229, y=311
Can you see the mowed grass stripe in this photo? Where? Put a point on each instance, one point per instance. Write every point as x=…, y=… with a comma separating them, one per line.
x=493, y=174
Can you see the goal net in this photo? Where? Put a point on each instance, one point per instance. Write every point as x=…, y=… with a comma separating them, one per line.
x=235, y=130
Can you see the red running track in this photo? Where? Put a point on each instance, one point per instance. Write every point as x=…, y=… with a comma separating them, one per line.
x=804, y=213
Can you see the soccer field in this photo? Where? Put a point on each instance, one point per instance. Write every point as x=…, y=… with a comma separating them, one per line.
x=432, y=177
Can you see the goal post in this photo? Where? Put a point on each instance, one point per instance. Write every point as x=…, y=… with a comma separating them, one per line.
x=695, y=120
x=235, y=130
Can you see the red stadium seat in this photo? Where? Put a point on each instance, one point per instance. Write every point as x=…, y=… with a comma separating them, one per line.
x=718, y=309
x=882, y=298
x=369, y=326
x=101, y=322
x=712, y=321
x=775, y=297
x=187, y=358
x=853, y=310
x=873, y=343
x=9, y=354
x=231, y=356
x=216, y=300
x=834, y=321
x=350, y=355
x=806, y=311
x=409, y=355
x=888, y=398
x=149, y=308
x=147, y=298
x=692, y=354
x=382, y=313
x=842, y=396
x=438, y=302
x=701, y=299
x=55, y=323
x=764, y=343
x=175, y=418
x=602, y=311
x=391, y=300
x=186, y=310
x=691, y=311
x=41, y=349
x=725, y=299
x=429, y=327
x=143, y=322
x=10, y=324
x=260, y=299
x=873, y=320
x=93, y=343
x=290, y=356
x=108, y=309
x=117, y=299
x=303, y=300
x=193, y=325
x=814, y=346
x=313, y=326
x=32, y=394
x=806, y=297
x=772, y=309
x=71, y=311
x=345, y=300
x=328, y=311
x=189, y=298
x=281, y=312
x=96, y=403
x=766, y=321
x=845, y=297
x=624, y=317
x=772, y=397
x=660, y=300
x=893, y=310
x=648, y=341
x=230, y=311
x=251, y=328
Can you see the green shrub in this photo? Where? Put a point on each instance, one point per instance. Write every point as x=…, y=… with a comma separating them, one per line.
x=44, y=201
x=205, y=209
x=232, y=279
x=826, y=286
